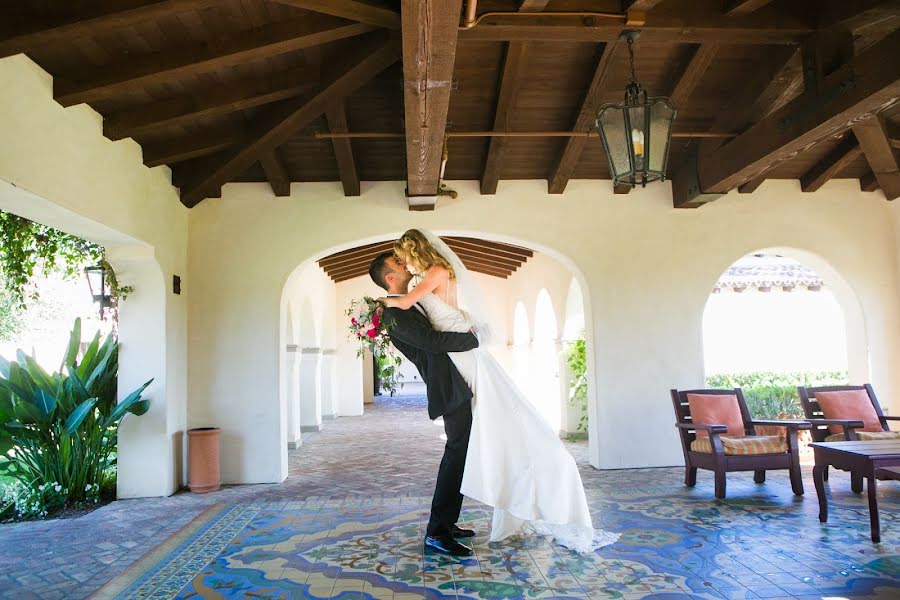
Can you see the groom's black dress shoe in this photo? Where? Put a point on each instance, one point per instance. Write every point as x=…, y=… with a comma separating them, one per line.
x=447, y=545
x=459, y=532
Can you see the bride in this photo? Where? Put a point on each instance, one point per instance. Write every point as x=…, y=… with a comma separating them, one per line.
x=516, y=463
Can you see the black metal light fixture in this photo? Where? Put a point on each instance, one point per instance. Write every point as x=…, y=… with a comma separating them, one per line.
x=97, y=282
x=636, y=132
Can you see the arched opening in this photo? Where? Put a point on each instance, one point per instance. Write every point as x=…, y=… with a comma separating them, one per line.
x=511, y=295
x=778, y=318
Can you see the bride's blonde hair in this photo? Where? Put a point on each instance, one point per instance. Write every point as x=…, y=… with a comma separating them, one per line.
x=418, y=252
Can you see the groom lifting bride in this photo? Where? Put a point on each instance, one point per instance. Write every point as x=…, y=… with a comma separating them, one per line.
x=499, y=449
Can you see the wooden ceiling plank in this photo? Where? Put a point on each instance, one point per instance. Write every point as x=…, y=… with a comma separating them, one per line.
x=533, y=5
x=876, y=145
x=430, y=30
x=678, y=25
x=214, y=101
x=276, y=173
x=336, y=114
x=339, y=85
x=132, y=74
x=859, y=16
x=510, y=82
x=191, y=146
x=467, y=257
x=587, y=115
x=362, y=12
x=830, y=166
x=640, y=5
x=698, y=65
x=96, y=25
x=735, y=8
x=875, y=74
x=500, y=274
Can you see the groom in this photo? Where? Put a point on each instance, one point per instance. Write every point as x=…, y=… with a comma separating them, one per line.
x=448, y=396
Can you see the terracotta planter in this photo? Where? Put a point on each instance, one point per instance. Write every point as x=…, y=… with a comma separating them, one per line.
x=203, y=459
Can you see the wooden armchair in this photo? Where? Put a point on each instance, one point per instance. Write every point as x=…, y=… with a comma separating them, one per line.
x=864, y=426
x=721, y=453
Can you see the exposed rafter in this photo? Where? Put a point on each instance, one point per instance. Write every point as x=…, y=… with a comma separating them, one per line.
x=875, y=143
x=734, y=8
x=276, y=173
x=217, y=100
x=830, y=166
x=510, y=82
x=97, y=24
x=699, y=63
x=568, y=158
x=104, y=82
x=430, y=29
x=337, y=86
x=343, y=151
x=363, y=12
x=875, y=78
x=192, y=146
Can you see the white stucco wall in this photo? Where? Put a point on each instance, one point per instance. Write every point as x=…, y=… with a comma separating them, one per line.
x=57, y=168
x=647, y=270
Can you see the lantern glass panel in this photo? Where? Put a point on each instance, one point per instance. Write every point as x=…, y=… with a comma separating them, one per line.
x=661, y=116
x=611, y=122
x=637, y=136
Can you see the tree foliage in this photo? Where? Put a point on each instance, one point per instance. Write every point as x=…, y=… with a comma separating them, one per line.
x=27, y=247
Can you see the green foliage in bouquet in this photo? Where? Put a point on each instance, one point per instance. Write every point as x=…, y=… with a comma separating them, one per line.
x=772, y=395
x=59, y=432
x=371, y=332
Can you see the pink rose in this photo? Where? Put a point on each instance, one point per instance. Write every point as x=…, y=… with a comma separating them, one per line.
x=372, y=333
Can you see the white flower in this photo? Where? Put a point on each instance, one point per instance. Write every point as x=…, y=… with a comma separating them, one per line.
x=57, y=487
x=87, y=488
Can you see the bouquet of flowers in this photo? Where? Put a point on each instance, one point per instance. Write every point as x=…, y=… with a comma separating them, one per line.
x=371, y=331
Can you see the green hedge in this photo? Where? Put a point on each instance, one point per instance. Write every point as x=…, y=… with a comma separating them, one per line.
x=774, y=395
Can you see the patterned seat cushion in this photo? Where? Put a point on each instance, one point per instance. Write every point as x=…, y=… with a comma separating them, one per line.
x=866, y=435
x=750, y=444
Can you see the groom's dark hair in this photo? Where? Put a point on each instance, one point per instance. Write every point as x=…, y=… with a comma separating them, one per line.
x=379, y=268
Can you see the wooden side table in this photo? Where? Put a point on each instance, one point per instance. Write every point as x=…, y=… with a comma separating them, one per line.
x=862, y=458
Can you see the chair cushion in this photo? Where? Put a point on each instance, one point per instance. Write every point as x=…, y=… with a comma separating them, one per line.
x=849, y=404
x=748, y=444
x=717, y=409
x=866, y=436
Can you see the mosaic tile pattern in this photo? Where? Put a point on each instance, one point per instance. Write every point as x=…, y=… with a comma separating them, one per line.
x=349, y=522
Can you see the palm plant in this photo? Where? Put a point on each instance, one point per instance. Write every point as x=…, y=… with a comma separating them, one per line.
x=62, y=428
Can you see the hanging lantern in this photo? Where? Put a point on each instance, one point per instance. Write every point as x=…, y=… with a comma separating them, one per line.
x=636, y=133
x=99, y=286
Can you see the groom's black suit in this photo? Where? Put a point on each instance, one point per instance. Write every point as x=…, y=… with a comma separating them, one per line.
x=448, y=396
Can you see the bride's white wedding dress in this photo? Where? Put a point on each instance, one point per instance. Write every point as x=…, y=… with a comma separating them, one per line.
x=516, y=463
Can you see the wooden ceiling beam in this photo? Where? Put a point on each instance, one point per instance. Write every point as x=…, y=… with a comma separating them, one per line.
x=99, y=24
x=735, y=8
x=341, y=258
x=698, y=65
x=672, y=24
x=213, y=101
x=859, y=16
x=336, y=114
x=498, y=248
x=868, y=182
x=510, y=82
x=750, y=186
x=192, y=146
x=492, y=272
x=876, y=145
x=375, y=14
x=864, y=86
x=106, y=81
x=487, y=260
x=587, y=115
x=639, y=5
x=275, y=172
x=338, y=85
x=430, y=30
x=830, y=166
x=734, y=116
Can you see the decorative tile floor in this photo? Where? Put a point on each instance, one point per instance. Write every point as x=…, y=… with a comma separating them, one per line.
x=349, y=521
